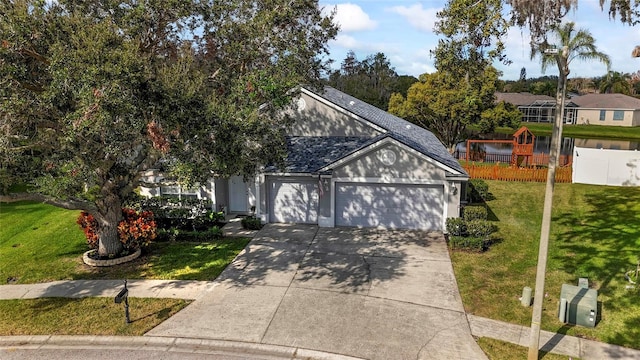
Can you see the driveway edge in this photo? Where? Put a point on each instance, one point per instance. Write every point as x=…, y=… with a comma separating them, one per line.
x=157, y=343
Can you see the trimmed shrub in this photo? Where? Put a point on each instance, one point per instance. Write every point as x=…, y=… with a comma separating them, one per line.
x=466, y=243
x=479, y=228
x=189, y=236
x=251, y=223
x=470, y=213
x=187, y=214
x=478, y=190
x=456, y=227
x=471, y=232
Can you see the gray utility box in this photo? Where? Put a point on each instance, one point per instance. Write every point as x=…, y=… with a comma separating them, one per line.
x=579, y=304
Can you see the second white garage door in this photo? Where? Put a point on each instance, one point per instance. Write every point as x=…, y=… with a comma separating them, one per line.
x=293, y=200
x=390, y=206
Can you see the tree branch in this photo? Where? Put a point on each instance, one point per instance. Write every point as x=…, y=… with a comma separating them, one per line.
x=69, y=204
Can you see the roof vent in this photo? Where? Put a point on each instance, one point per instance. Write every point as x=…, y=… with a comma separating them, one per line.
x=352, y=102
x=408, y=126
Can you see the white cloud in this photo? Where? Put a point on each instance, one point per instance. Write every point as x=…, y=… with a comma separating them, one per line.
x=362, y=47
x=419, y=17
x=415, y=63
x=345, y=41
x=350, y=17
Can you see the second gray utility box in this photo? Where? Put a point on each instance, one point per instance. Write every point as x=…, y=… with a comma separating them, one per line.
x=579, y=304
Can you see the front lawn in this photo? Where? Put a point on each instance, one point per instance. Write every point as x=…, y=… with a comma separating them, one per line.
x=40, y=243
x=595, y=234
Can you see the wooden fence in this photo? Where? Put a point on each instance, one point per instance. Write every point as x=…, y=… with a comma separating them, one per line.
x=497, y=172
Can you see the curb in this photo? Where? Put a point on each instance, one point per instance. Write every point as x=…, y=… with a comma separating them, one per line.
x=156, y=343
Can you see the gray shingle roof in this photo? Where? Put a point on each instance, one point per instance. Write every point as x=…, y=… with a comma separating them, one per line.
x=522, y=98
x=309, y=154
x=607, y=101
x=410, y=134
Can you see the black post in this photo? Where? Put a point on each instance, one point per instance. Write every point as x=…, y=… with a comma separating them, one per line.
x=124, y=295
x=126, y=309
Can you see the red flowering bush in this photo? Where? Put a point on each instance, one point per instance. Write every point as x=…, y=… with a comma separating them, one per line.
x=90, y=226
x=136, y=230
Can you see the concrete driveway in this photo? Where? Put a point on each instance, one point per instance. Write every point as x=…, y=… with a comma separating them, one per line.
x=365, y=293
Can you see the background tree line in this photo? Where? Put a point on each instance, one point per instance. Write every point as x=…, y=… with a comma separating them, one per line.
x=613, y=82
x=372, y=80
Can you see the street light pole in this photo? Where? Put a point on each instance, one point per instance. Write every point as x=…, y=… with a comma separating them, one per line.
x=545, y=229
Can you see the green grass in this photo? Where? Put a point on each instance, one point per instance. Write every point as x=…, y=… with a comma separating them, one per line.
x=40, y=243
x=582, y=131
x=595, y=233
x=88, y=316
x=174, y=261
x=500, y=350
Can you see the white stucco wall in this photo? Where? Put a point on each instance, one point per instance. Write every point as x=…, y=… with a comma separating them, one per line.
x=592, y=117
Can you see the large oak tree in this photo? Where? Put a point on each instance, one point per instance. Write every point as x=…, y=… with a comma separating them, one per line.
x=92, y=92
x=438, y=102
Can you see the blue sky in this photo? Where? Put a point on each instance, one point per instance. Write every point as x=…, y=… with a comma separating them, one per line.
x=403, y=31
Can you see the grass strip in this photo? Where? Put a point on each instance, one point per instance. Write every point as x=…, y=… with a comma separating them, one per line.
x=87, y=316
x=500, y=350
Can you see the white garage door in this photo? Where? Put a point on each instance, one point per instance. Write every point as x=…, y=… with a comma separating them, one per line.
x=390, y=206
x=294, y=200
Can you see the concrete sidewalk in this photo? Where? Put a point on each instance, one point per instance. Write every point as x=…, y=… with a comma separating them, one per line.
x=174, y=289
x=550, y=342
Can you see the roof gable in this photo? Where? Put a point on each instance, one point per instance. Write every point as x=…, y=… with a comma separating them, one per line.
x=397, y=128
x=380, y=142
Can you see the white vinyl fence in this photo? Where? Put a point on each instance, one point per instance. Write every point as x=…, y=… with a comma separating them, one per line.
x=606, y=167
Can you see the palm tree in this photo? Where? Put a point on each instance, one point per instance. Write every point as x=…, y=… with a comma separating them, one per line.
x=571, y=45
x=616, y=83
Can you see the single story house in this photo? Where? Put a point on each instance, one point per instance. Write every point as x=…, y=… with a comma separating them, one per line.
x=350, y=164
x=608, y=109
x=538, y=108
x=593, y=109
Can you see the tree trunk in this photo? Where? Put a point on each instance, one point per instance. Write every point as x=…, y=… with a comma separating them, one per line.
x=110, y=216
x=545, y=229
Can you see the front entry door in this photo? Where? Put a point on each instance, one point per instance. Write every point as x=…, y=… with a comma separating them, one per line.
x=238, y=195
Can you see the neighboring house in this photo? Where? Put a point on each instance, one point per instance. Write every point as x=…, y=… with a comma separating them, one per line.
x=521, y=98
x=351, y=164
x=539, y=108
x=594, y=109
x=608, y=109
